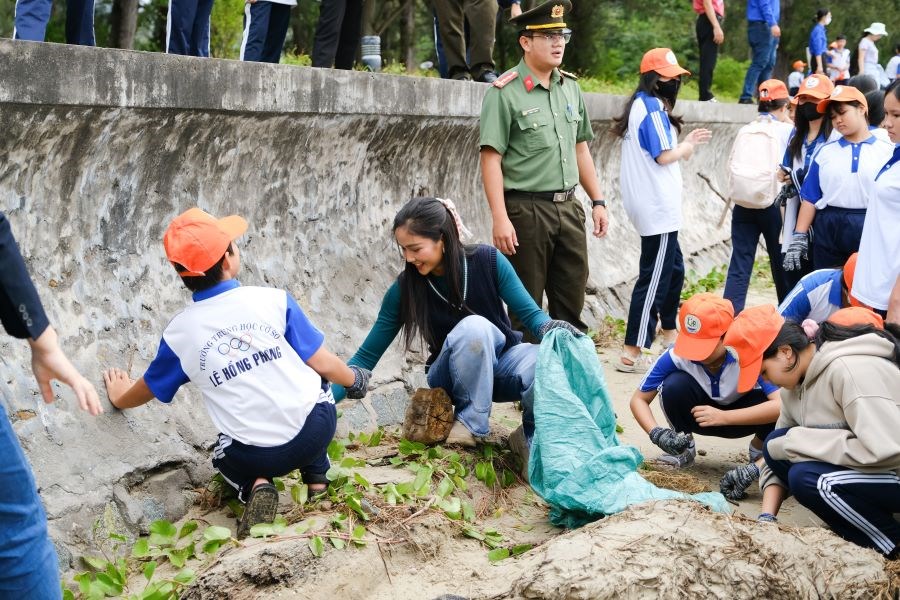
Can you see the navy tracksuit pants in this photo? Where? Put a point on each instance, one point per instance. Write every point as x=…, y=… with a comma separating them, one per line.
x=337, y=34
x=858, y=506
x=657, y=290
x=680, y=392
x=265, y=27
x=838, y=231
x=747, y=224
x=187, y=28
x=32, y=17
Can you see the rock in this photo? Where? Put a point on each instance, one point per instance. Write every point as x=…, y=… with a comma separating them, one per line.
x=429, y=416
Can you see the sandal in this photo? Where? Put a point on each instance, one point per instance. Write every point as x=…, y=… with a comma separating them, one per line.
x=262, y=507
x=639, y=364
x=311, y=479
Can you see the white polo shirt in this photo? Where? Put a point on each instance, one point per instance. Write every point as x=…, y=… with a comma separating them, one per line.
x=651, y=193
x=842, y=174
x=245, y=349
x=878, y=264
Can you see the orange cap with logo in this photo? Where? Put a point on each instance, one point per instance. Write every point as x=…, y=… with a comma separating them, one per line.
x=815, y=87
x=843, y=93
x=752, y=332
x=663, y=61
x=856, y=315
x=702, y=321
x=773, y=89
x=197, y=240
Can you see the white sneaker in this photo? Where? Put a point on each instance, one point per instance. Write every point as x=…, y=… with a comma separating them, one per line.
x=679, y=461
x=460, y=436
x=640, y=364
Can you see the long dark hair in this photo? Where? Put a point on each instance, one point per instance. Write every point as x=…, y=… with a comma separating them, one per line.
x=801, y=131
x=428, y=218
x=646, y=84
x=793, y=335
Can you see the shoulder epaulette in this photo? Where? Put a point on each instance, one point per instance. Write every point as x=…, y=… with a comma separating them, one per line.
x=505, y=78
x=569, y=75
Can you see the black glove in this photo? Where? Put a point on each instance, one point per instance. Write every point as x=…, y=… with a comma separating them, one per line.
x=670, y=441
x=360, y=383
x=735, y=482
x=798, y=250
x=557, y=324
x=787, y=191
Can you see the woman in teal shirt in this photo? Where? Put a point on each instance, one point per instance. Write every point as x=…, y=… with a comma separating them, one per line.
x=452, y=297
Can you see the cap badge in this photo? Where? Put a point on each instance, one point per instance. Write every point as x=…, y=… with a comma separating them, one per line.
x=692, y=324
x=812, y=82
x=764, y=93
x=670, y=58
x=837, y=91
x=557, y=11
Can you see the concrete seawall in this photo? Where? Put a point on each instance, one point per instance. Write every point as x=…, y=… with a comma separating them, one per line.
x=99, y=149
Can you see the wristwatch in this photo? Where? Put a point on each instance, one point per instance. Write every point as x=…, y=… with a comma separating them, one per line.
x=596, y=203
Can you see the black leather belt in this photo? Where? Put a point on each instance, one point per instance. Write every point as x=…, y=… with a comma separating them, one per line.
x=547, y=196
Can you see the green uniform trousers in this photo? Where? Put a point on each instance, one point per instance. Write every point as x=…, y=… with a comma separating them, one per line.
x=551, y=256
x=482, y=18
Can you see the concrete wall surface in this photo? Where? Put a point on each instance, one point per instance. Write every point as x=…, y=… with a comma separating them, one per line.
x=100, y=149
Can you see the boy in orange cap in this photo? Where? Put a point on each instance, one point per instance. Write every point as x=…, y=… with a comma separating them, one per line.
x=260, y=364
x=697, y=381
x=835, y=447
x=795, y=78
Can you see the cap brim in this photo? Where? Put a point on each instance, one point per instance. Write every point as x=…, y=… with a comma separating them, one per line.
x=814, y=94
x=233, y=225
x=672, y=71
x=693, y=348
x=748, y=375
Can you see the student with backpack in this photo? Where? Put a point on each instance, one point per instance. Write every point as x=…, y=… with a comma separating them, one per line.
x=839, y=184
x=753, y=185
x=651, y=194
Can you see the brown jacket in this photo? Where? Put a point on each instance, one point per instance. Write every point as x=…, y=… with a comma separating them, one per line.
x=846, y=412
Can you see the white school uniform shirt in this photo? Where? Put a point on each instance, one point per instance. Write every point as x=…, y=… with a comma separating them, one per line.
x=807, y=150
x=878, y=264
x=651, y=193
x=795, y=78
x=842, y=174
x=245, y=348
x=878, y=132
x=892, y=67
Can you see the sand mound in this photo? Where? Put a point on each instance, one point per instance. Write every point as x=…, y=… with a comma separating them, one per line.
x=675, y=549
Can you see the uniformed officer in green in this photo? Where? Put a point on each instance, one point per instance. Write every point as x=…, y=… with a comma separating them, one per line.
x=534, y=150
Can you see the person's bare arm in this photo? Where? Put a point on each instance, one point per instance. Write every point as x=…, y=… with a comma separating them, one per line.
x=685, y=149
x=640, y=408
x=893, y=311
x=123, y=392
x=710, y=12
x=587, y=176
x=330, y=367
x=765, y=412
x=48, y=362
x=805, y=217
x=504, y=234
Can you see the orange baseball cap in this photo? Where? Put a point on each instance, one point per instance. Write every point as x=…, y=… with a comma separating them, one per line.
x=856, y=315
x=197, y=240
x=843, y=93
x=798, y=64
x=752, y=332
x=702, y=321
x=816, y=87
x=848, y=272
x=773, y=89
x=663, y=61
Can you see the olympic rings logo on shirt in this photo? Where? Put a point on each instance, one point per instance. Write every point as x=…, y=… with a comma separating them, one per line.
x=235, y=345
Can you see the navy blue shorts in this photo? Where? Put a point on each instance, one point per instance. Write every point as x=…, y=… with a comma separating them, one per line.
x=242, y=464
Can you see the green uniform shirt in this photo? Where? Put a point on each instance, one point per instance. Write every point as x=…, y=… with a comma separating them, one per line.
x=536, y=129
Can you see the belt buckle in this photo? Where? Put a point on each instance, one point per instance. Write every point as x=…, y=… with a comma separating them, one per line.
x=560, y=196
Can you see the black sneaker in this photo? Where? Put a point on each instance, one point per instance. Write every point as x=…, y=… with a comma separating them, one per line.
x=487, y=77
x=260, y=508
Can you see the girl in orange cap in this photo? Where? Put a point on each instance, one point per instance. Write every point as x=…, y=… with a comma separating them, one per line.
x=836, y=447
x=651, y=194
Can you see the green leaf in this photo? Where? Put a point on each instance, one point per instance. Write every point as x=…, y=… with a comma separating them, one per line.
x=468, y=512
x=141, y=548
x=359, y=532
x=185, y=576
x=235, y=506
x=278, y=482
x=405, y=447
x=316, y=546
x=336, y=450
x=493, y=539
x=84, y=582
x=67, y=593
x=149, y=569
x=498, y=554
x=619, y=428
x=473, y=533
x=188, y=528
x=362, y=481
x=338, y=543
x=451, y=506
x=179, y=557
x=423, y=479
x=460, y=483
x=216, y=532
x=445, y=487
x=98, y=564
x=162, y=533
x=355, y=504
x=300, y=493
x=521, y=549
x=303, y=526
x=107, y=585
x=279, y=524
x=117, y=537
x=212, y=546
x=376, y=437
x=509, y=478
x=262, y=530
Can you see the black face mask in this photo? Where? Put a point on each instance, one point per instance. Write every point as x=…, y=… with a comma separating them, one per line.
x=669, y=90
x=809, y=111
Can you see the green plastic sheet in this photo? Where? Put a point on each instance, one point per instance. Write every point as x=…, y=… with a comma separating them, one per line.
x=577, y=464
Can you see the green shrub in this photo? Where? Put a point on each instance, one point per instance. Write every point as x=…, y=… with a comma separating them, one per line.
x=728, y=79
x=226, y=28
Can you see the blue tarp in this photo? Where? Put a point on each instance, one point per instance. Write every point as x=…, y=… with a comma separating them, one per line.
x=577, y=464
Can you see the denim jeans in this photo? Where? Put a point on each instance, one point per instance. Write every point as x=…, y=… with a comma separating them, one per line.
x=28, y=564
x=475, y=371
x=763, y=46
